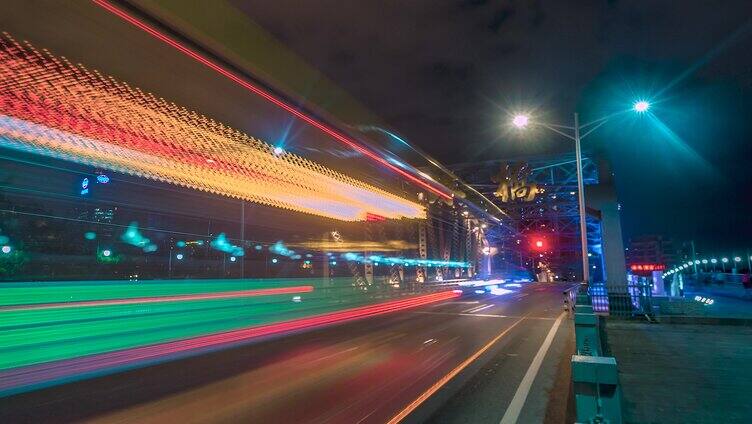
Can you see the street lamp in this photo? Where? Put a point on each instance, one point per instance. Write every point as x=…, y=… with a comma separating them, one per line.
x=522, y=121
x=641, y=106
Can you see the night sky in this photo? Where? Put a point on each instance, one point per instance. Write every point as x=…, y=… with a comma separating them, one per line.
x=447, y=74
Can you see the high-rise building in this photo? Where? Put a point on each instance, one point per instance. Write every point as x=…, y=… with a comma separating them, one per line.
x=651, y=249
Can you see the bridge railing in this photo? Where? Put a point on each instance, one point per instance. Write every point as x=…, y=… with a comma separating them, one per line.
x=626, y=300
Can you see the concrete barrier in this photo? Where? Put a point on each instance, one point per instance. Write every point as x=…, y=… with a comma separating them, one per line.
x=596, y=389
x=587, y=333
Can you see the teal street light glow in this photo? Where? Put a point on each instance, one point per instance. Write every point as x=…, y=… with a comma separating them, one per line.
x=724, y=260
x=179, y=256
x=704, y=261
x=714, y=261
x=737, y=259
x=520, y=121
x=641, y=106
x=6, y=249
x=106, y=252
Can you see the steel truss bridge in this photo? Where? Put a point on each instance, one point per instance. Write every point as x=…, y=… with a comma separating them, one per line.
x=553, y=214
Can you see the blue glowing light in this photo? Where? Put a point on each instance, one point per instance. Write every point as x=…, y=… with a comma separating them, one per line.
x=220, y=243
x=6, y=249
x=85, y=186
x=103, y=179
x=179, y=256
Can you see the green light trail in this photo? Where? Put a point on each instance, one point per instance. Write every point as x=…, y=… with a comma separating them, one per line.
x=34, y=336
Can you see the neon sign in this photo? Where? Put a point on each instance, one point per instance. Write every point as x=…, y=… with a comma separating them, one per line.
x=647, y=267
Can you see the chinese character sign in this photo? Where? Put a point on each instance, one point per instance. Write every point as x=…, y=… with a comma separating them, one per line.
x=513, y=185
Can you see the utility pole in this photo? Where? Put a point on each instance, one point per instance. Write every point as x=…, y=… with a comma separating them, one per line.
x=694, y=256
x=581, y=201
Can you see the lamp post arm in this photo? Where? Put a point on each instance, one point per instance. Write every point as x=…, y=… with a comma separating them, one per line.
x=594, y=128
x=554, y=129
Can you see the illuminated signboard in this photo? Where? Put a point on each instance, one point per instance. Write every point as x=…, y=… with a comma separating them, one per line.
x=513, y=185
x=646, y=268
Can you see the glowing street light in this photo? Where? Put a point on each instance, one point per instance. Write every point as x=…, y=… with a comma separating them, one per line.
x=641, y=106
x=520, y=121
x=573, y=133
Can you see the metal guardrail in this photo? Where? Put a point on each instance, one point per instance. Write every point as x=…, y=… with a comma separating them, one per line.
x=625, y=301
x=570, y=295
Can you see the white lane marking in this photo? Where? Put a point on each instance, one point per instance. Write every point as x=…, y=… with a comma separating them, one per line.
x=482, y=315
x=437, y=305
x=518, y=401
x=472, y=309
x=480, y=308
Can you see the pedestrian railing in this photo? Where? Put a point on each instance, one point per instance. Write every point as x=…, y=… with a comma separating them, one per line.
x=632, y=299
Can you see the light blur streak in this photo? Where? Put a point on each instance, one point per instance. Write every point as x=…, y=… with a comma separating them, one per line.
x=737, y=35
x=499, y=291
x=677, y=144
x=295, y=111
x=480, y=283
x=445, y=379
x=53, y=108
x=370, y=368
x=157, y=299
x=350, y=246
x=25, y=378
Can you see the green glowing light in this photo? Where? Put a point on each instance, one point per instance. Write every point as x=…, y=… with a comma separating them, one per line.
x=35, y=336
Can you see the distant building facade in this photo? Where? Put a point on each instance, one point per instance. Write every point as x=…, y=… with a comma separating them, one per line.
x=651, y=249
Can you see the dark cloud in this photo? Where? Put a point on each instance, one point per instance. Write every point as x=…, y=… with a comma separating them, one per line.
x=444, y=73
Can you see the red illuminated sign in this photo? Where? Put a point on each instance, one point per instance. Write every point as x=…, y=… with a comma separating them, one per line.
x=647, y=267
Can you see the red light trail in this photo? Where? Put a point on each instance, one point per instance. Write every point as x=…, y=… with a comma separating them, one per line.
x=17, y=380
x=68, y=112
x=158, y=299
x=265, y=95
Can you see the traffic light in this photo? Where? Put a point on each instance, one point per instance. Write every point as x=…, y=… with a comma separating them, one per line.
x=538, y=243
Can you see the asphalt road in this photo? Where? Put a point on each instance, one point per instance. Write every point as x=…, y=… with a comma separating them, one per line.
x=458, y=361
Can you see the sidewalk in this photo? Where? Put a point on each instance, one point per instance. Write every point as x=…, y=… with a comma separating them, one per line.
x=683, y=373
